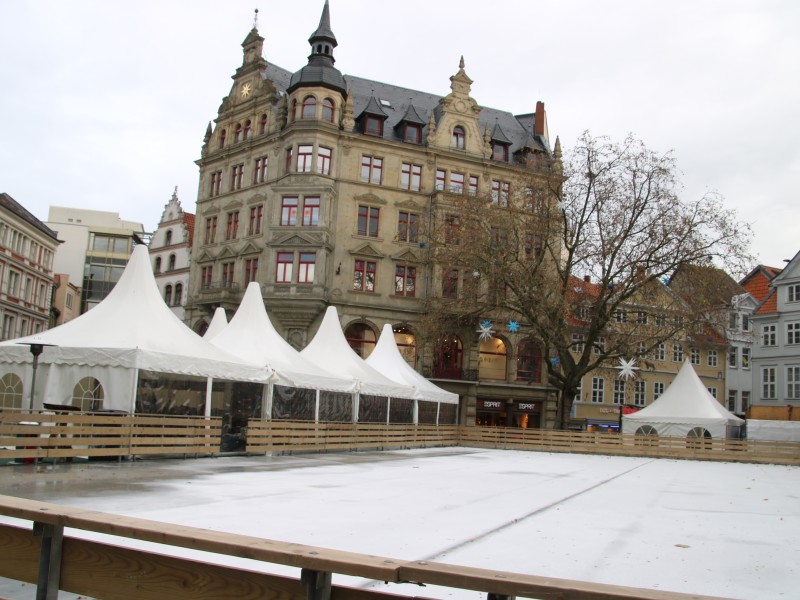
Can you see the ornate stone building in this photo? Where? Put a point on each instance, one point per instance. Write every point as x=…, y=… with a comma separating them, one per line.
x=27, y=248
x=320, y=186
x=171, y=254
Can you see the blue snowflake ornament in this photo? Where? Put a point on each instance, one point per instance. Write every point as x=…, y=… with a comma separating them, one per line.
x=513, y=326
x=554, y=361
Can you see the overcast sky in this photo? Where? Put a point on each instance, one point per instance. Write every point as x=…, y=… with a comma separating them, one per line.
x=105, y=103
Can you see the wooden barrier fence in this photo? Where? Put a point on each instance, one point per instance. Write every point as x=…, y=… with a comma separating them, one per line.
x=31, y=435
x=45, y=555
x=297, y=436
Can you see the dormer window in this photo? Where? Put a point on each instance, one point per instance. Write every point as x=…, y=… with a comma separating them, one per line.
x=459, y=137
x=309, y=110
x=373, y=126
x=412, y=134
x=500, y=151
x=328, y=108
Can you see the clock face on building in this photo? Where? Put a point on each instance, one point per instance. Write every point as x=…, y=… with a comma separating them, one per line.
x=246, y=90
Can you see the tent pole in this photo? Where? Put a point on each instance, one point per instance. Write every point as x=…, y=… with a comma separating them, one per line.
x=316, y=407
x=415, y=413
x=209, y=391
x=134, y=390
x=268, y=404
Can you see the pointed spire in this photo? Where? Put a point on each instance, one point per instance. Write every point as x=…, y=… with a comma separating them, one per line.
x=255, y=20
x=175, y=193
x=461, y=63
x=557, y=149
x=324, y=31
x=320, y=69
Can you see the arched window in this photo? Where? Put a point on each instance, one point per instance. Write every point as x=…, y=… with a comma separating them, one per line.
x=88, y=394
x=529, y=362
x=361, y=338
x=168, y=295
x=158, y=265
x=328, y=108
x=698, y=437
x=10, y=391
x=247, y=127
x=459, y=137
x=406, y=343
x=237, y=134
x=222, y=139
x=646, y=435
x=262, y=128
x=309, y=108
x=178, y=294
x=293, y=114
x=168, y=238
x=448, y=358
x=493, y=360
x=171, y=263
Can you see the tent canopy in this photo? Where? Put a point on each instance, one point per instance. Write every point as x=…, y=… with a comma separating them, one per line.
x=218, y=322
x=251, y=336
x=686, y=404
x=133, y=328
x=387, y=360
x=330, y=351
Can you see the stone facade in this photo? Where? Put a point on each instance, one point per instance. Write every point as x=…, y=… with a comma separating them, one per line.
x=27, y=249
x=320, y=187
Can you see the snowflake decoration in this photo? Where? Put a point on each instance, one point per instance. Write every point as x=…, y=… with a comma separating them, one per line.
x=485, y=330
x=554, y=361
x=627, y=370
x=665, y=280
x=513, y=326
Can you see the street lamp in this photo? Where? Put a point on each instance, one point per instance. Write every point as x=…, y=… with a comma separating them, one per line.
x=36, y=350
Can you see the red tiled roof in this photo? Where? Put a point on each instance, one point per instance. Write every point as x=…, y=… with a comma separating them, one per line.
x=769, y=305
x=757, y=281
x=188, y=220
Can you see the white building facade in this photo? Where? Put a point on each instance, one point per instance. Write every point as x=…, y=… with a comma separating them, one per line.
x=171, y=254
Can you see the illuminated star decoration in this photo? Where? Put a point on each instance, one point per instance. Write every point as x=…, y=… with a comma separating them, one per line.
x=513, y=326
x=627, y=370
x=554, y=361
x=485, y=330
x=665, y=280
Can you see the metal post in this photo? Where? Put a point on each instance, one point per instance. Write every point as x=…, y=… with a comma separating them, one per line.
x=49, y=560
x=36, y=350
x=317, y=584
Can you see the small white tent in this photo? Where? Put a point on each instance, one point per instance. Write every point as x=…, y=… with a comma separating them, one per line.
x=131, y=330
x=686, y=408
x=330, y=351
x=218, y=322
x=386, y=359
x=251, y=336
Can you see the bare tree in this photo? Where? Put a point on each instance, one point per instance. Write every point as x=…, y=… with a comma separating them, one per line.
x=579, y=252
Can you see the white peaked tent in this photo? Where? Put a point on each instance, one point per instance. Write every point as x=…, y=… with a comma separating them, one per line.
x=685, y=406
x=386, y=359
x=218, y=322
x=132, y=329
x=330, y=351
x=251, y=336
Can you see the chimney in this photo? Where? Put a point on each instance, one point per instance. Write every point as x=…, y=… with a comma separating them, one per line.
x=539, y=126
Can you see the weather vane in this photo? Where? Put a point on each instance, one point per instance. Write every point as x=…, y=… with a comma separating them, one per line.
x=255, y=20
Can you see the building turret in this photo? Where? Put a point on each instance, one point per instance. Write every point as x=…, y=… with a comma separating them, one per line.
x=320, y=72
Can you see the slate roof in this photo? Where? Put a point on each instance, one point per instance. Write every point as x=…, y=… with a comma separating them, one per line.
x=519, y=130
x=16, y=208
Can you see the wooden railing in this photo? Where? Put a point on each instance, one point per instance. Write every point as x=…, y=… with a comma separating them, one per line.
x=44, y=555
x=32, y=435
x=297, y=436
x=307, y=436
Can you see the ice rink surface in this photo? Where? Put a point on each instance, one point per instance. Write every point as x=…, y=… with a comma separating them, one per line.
x=720, y=529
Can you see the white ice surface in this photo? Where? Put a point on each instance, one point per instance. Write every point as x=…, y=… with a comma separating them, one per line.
x=721, y=529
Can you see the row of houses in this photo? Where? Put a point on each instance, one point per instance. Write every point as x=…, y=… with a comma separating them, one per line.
x=316, y=185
